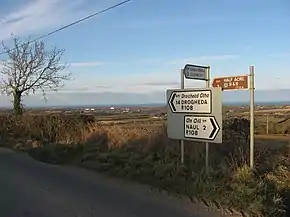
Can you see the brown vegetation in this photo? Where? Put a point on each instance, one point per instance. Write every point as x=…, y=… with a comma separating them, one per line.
x=147, y=155
x=277, y=124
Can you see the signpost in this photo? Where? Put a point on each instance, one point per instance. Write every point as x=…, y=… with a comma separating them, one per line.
x=203, y=122
x=252, y=105
x=231, y=83
x=201, y=127
x=198, y=102
x=243, y=82
x=196, y=72
x=196, y=114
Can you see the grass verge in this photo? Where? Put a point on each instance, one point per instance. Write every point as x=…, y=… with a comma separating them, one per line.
x=146, y=155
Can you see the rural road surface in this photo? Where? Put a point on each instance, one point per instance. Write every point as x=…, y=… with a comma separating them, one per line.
x=33, y=189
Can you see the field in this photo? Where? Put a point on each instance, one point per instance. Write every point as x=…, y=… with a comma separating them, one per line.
x=275, y=139
x=134, y=145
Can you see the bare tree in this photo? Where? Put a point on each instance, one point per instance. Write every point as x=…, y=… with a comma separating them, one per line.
x=30, y=68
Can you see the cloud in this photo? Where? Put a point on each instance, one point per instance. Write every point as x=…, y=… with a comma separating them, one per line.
x=84, y=88
x=37, y=15
x=203, y=59
x=150, y=23
x=121, y=98
x=147, y=61
x=87, y=99
x=86, y=64
x=154, y=61
x=158, y=83
x=167, y=21
x=182, y=61
x=281, y=55
x=99, y=81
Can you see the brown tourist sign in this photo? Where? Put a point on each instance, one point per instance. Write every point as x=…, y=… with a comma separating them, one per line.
x=231, y=83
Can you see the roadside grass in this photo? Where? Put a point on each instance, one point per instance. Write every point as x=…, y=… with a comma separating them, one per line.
x=146, y=154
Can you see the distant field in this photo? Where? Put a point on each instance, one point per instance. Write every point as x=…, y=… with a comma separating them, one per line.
x=269, y=110
x=272, y=141
x=117, y=118
x=149, y=122
x=142, y=121
x=279, y=137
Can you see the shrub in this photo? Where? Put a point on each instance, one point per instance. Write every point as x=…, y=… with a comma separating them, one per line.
x=147, y=155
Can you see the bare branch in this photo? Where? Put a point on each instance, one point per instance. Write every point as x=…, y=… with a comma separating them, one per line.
x=30, y=68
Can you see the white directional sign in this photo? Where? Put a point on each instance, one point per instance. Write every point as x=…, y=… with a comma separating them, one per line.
x=200, y=127
x=195, y=114
x=194, y=101
x=195, y=72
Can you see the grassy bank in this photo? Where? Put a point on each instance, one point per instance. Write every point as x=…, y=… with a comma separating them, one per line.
x=146, y=155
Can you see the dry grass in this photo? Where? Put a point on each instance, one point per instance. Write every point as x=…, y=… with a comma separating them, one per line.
x=274, y=127
x=143, y=152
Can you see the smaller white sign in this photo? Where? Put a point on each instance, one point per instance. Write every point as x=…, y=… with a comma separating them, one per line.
x=198, y=102
x=195, y=72
x=199, y=127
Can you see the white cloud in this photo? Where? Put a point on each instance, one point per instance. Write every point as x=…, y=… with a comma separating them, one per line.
x=282, y=55
x=86, y=64
x=203, y=59
x=147, y=82
x=151, y=81
x=183, y=61
x=169, y=20
x=154, y=61
x=37, y=15
x=129, y=83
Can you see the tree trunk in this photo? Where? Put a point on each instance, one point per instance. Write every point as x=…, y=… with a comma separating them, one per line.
x=17, y=106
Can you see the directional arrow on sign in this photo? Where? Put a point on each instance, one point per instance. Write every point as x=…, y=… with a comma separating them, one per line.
x=172, y=103
x=190, y=101
x=195, y=114
x=201, y=127
x=214, y=128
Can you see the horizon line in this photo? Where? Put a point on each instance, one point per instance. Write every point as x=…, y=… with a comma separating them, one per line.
x=241, y=103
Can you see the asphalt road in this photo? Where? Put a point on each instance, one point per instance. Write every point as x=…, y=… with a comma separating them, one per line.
x=33, y=189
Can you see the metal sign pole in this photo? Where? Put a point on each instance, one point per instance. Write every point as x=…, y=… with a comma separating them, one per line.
x=207, y=144
x=252, y=104
x=182, y=141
